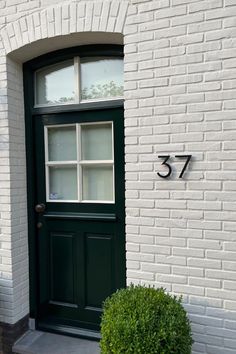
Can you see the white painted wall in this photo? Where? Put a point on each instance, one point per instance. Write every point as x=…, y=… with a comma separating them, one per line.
x=180, y=90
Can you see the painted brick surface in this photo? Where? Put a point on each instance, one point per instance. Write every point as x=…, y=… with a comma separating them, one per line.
x=180, y=90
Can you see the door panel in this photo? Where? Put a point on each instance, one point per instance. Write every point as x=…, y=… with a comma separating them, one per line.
x=81, y=245
x=98, y=268
x=62, y=267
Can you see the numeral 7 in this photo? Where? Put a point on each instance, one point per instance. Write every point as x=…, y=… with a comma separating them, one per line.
x=188, y=158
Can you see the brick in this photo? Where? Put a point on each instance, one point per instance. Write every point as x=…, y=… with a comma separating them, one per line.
x=188, y=289
x=204, y=47
x=184, y=20
x=203, y=5
x=204, y=26
x=220, y=13
x=170, y=32
x=205, y=107
x=187, y=79
x=187, y=59
x=187, y=98
x=171, y=12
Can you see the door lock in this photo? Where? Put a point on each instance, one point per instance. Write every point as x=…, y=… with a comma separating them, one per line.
x=40, y=208
x=39, y=225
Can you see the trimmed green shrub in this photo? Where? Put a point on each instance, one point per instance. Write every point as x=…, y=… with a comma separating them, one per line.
x=141, y=320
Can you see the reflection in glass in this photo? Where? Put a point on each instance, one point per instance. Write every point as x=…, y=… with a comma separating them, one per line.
x=55, y=84
x=96, y=142
x=62, y=144
x=63, y=183
x=101, y=78
x=98, y=183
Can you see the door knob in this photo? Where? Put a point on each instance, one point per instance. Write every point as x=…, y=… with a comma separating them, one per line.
x=40, y=208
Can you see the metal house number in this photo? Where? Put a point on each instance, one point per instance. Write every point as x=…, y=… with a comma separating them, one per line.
x=169, y=168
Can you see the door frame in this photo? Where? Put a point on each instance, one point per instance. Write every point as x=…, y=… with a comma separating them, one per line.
x=28, y=80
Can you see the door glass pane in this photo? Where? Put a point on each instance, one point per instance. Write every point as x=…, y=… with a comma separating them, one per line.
x=101, y=78
x=62, y=144
x=63, y=183
x=55, y=84
x=96, y=142
x=98, y=183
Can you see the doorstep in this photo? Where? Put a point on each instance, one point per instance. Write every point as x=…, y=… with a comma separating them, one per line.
x=37, y=342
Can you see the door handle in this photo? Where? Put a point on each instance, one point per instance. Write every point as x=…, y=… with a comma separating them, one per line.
x=40, y=208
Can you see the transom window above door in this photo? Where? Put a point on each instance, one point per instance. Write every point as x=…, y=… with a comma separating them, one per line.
x=79, y=80
x=79, y=162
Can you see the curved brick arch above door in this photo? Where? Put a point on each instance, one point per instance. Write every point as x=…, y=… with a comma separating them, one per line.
x=60, y=20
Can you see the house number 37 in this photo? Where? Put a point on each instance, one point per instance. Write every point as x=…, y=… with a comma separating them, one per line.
x=168, y=166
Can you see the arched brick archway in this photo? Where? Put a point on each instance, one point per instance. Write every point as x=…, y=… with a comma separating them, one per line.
x=63, y=20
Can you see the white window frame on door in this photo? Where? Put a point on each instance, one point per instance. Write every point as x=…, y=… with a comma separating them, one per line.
x=79, y=163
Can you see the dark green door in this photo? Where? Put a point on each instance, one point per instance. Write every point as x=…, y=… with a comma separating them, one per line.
x=79, y=162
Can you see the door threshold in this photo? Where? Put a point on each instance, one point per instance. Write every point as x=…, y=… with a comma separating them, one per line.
x=69, y=331
x=38, y=342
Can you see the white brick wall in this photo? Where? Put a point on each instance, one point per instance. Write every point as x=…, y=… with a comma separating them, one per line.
x=181, y=233
x=180, y=90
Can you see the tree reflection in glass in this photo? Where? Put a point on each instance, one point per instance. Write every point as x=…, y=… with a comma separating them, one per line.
x=101, y=78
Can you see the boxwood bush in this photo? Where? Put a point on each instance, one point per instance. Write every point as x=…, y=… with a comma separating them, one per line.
x=144, y=320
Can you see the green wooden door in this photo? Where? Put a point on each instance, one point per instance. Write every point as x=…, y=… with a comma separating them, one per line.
x=79, y=171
